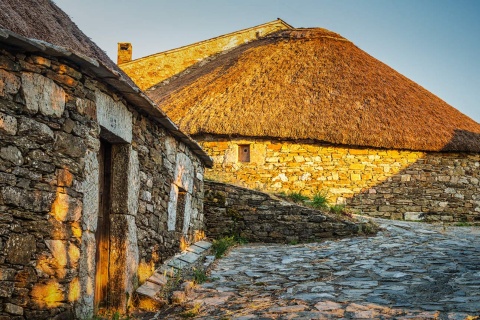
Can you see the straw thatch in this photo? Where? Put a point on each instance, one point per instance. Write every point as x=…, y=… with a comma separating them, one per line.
x=41, y=27
x=44, y=20
x=312, y=84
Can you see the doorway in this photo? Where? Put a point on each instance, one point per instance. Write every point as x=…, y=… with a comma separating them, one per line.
x=102, y=236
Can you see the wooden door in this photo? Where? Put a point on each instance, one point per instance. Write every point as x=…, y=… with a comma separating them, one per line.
x=102, y=235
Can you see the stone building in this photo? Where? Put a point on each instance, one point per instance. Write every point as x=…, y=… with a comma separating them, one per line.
x=97, y=185
x=305, y=110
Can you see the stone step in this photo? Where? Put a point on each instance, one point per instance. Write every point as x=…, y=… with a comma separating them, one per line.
x=148, y=293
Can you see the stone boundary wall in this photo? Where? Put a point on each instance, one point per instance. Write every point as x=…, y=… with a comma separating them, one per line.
x=383, y=183
x=260, y=217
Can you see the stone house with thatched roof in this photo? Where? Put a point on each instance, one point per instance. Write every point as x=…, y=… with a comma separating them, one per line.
x=97, y=185
x=305, y=110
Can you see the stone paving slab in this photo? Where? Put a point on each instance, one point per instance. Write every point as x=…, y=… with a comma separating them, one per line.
x=409, y=270
x=158, y=278
x=189, y=257
x=203, y=244
x=177, y=263
x=149, y=289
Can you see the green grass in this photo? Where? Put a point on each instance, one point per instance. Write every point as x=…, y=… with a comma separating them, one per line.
x=320, y=200
x=337, y=209
x=199, y=276
x=463, y=224
x=297, y=197
x=221, y=246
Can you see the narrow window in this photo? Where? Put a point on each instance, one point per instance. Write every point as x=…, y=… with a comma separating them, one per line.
x=243, y=153
x=182, y=196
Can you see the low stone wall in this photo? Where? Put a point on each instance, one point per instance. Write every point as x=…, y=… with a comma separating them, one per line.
x=260, y=217
x=395, y=184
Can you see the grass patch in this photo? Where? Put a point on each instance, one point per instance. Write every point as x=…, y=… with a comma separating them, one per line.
x=463, y=224
x=319, y=200
x=297, y=197
x=337, y=209
x=199, y=276
x=221, y=246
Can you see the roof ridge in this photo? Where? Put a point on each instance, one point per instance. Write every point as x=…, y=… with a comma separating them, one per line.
x=206, y=41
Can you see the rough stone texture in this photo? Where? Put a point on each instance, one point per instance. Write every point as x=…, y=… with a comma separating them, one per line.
x=259, y=217
x=408, y=270
x=123, y=259
x=9, y=83
x=86, y=276
x=20, y=248
x=90, y=189
x=49, y=188
x=383, y=183
x=42, y=94
x=8, y=124
x=114, y=116
x=153, y=69
x=13, y=309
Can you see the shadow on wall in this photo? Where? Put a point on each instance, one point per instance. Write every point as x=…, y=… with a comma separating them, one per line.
x=442, y=186
x=463, y=140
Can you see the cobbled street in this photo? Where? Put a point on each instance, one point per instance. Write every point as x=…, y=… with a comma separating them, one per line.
x=409, y=270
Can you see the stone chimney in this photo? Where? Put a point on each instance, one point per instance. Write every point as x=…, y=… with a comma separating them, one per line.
x=124, y=52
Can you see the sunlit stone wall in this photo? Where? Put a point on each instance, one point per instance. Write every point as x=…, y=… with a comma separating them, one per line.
x=386, y=183
x=52, y=117
x=150, y=70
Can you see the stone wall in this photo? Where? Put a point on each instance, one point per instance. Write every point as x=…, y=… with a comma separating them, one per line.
x=150, y=70
x=52, y=119
x=260, y=217
x=386, y=183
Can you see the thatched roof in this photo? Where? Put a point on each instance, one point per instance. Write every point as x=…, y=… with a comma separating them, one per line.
x=39, y=26
x=312, y=84
x=43, y=20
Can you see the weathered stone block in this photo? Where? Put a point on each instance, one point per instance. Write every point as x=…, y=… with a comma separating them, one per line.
x=69, y=144
x=86, y=276
x=114, y=116
x=66, y=208
x=8, y=124
x=12, y=154
x=13, y=309
x=9, y=83
x=37, y=131
x=413, y=216
x=123, y=258
x=37, y=201
x=19, y=248
x=42, y=94
x=6, y=289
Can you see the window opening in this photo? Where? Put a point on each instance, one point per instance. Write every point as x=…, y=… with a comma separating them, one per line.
x=244, y=153
x=181, y=199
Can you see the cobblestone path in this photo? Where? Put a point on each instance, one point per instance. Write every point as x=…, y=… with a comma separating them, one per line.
x=408, y=271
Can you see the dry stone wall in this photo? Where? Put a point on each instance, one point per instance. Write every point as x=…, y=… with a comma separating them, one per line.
x=52, y=117
x=394, y=184
x=259, y=217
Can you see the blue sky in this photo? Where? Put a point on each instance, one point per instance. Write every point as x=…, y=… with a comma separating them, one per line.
x=436, y=43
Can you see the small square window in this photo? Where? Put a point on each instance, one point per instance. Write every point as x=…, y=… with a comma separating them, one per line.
x=244, y=153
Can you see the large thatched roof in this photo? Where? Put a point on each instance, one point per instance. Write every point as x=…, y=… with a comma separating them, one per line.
x=312, y=84
x=39, y=26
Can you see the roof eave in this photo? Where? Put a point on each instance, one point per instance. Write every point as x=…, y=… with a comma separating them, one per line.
x=132, y=94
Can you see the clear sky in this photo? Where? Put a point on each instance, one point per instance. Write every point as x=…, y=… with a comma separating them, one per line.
x=436, y=43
